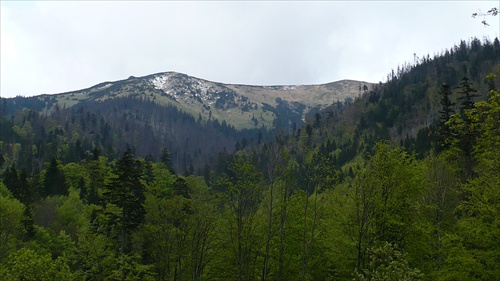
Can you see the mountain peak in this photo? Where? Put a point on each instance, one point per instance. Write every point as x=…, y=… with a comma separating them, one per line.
x=242, y=106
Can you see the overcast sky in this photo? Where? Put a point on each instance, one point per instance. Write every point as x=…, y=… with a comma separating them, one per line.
x=53, y=47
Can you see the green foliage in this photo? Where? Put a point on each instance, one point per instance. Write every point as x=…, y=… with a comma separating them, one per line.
x=73, y=214
x=11, y=228
x=96, y=255
x=26, y=264
x=25, y=131
x=178, y=232
x=129, y=268
x=74, y=175
x=472, y=250
x=388, y=264
x=384, y=208
x=241, y=194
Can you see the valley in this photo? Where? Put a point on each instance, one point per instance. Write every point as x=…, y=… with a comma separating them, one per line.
x=170, y=177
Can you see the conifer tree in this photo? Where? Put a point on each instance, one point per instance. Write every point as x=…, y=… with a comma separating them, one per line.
x=446, y=103
x=55, y=181
x=468, y=93
x=446, y=111
x=26, y=192
x=11, y=180
x=167, y=160
x=125, y=192
x=469, y=134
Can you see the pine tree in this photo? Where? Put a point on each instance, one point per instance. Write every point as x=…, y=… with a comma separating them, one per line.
x=55, y=181
x=126, y=192
x=467, y=140
x=167, y=160
x=446, y=112
x=446, y=103
x=11, y=181
x=28, y=223
x=26, y=191
x=468, y=93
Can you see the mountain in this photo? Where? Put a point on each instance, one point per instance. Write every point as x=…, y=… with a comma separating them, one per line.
x=240, y=106
x=193, y=118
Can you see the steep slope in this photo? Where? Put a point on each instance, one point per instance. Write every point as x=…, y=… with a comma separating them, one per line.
x=403, y=111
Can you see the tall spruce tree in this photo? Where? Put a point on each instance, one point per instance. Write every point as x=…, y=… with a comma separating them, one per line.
x=445, y=113
x=467, y=95
x=54, y=182
x=124, y=197
x=167, y=160
x=467, y=140
x=446, y=103
x=11, y=180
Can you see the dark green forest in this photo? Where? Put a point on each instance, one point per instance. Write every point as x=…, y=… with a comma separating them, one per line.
x=403, y=183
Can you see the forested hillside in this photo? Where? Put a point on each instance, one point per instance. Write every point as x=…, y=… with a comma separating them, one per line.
x=401, y=184
x=192, y=118
x=30, y=138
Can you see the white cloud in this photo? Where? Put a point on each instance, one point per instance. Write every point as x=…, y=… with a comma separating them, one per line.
x=51, y=47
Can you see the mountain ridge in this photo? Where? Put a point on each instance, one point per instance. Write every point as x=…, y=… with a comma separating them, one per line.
x=242, y=106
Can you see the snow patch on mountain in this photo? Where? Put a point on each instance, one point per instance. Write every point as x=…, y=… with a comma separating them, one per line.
x=284, y=88
x=203, y=87
x=104, y=87
x=160, y=82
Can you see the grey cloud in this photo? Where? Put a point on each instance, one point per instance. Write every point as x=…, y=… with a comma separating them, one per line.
x=64, y=46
